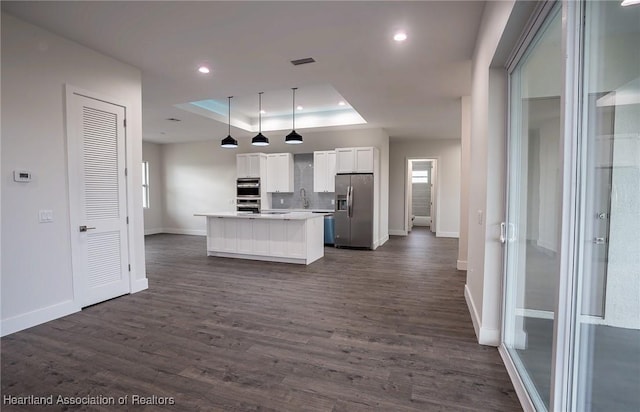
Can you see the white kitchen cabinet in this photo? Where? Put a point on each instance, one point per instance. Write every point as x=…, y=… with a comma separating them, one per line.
x=230, y=243
x=345, y=160
x=251, y=165
x=298, y=238
x=324, y=171
x=244, y=236
x=260, y=243
x=279, y=172
x=215, y=233
x=277, y=238
x=356, y=159
x=364, y=159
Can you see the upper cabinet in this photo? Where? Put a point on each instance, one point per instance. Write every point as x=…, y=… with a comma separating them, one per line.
x=251, y=165
x=324, y=171
x=279, y=172
x=356, y=159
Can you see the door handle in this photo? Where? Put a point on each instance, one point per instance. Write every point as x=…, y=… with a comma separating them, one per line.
x=84, y=228
x=350, y=201
x=503, y=232
x=599, y=240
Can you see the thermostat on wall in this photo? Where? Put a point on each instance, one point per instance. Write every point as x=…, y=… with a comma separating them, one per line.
x=21, y=176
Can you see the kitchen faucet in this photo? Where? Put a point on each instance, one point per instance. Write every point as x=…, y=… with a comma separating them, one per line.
x=303, y=196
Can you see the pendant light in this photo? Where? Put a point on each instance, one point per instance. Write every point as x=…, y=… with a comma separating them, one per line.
x=293, y=137
x=229, y=142
x=260, y=139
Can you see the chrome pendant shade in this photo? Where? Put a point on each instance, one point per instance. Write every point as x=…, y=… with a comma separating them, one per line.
x=260, y=139
x=293, y=137
x=229, y=142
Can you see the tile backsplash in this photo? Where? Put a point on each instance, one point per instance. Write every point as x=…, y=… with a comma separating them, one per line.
x=302, y=179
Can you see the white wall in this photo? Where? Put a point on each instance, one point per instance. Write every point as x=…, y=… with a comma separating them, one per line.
x=483, y=291
x=36, y=266
x=550, y=196
x=623, y=267
x=447, y=151
x=200, y=177
x=152, y=153
x=465, y=160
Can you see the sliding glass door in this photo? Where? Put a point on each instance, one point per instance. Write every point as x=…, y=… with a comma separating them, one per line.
x=607, y=319
x=571, y=318
x=533, y=211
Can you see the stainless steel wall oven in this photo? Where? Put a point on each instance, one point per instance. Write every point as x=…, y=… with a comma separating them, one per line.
x=248, y=193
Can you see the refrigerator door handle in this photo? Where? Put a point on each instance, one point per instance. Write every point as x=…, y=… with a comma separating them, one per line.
x=350, y=201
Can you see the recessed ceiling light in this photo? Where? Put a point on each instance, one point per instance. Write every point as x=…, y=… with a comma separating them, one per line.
x=400, y=36
x=262, y=112
x=299, y=107
x=629, y=3
x=204, y=69
x=341, y=103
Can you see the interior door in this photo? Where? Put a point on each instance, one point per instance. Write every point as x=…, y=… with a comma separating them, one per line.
x=97, y=190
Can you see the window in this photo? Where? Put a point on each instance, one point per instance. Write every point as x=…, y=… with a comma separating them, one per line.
x=145, y=185
x=420, y=176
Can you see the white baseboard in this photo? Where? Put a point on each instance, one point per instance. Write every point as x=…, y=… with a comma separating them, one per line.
x=139, y=285
x=535, y=313
x=37, y=317
x=486, y=336
x=461, y=265
x=194, y=232
x=394, y=232
x=447, y=234
x=472, y=310
x=546, y=246
x=152, y=231
x=381, y=242
x=518, y=385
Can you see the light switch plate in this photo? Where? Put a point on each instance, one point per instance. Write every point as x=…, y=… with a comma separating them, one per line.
x=45, y=216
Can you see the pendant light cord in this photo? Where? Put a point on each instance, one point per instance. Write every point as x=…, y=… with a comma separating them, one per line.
x=229, y=117
x=294, y=107
x=260, y=113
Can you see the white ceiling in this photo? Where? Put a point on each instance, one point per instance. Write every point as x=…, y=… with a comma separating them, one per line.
x=410, y=89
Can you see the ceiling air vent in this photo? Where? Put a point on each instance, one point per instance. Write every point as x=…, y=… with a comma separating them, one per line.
x=306, y=60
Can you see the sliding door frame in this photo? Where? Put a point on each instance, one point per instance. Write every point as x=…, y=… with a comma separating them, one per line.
x=565, y=310
x=566, y=306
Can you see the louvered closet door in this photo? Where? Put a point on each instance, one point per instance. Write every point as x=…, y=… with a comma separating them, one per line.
x=100, y=222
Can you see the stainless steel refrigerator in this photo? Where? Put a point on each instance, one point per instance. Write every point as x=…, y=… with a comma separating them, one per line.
x=354, y=210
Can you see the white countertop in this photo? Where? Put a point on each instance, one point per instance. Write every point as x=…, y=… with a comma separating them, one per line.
x=300, y=210
x=288, y=215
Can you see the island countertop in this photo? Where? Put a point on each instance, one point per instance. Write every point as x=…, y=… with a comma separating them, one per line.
x=285, y=215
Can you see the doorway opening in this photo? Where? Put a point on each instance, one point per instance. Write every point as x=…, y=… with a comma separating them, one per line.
x=421, y=194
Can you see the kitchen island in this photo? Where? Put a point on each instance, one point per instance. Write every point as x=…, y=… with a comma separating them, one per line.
x=290, y=237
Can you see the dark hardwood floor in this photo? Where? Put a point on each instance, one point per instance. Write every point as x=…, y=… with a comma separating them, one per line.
x=384, y=330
